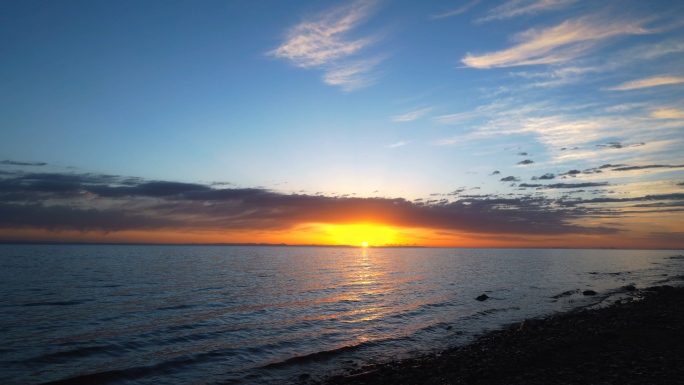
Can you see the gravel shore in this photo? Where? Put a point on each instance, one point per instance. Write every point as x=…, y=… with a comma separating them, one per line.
x=639, y=340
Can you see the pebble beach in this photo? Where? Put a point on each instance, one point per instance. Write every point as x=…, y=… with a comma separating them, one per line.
x=635, y=340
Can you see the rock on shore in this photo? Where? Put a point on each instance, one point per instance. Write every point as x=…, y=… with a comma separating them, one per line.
x=640, y=341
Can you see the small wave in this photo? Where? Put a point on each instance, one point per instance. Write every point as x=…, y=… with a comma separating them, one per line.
x=319, y=356
x=566, y=294
x=168, y=367
x=56, y=303
x=65, y=356
x=489, y=311
x=177, y=307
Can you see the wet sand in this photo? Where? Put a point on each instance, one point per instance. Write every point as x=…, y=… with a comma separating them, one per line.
x=639, y=340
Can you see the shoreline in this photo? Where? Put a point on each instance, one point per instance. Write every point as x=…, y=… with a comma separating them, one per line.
x=636, y=340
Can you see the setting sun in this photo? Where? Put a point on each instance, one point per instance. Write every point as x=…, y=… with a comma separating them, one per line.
x=359, y=234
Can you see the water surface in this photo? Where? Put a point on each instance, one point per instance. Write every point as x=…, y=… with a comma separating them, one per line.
x=225, y=314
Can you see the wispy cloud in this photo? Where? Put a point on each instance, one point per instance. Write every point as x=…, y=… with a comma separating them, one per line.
x=515, y=8
x=351, y=76
x=652, y=51
x=412, y=115
x=15, y=163
x=556, y=77
x=558, y=128
x=324, y=42
x=398, y=144
x=667, y=113
x=647, y=82
x=620, y=108
x=631, y=168
x=480, y=111
x=568, y=40
x=456, y=11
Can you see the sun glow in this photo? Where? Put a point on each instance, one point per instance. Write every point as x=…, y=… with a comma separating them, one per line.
x=361, y=234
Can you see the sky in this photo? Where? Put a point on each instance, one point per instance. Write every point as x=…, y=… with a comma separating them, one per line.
x=477, y=123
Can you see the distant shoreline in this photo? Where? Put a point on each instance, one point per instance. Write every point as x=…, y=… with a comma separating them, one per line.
x=57, y=243
x=200, y=244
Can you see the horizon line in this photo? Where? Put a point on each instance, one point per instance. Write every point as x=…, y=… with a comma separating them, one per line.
x=254, y=244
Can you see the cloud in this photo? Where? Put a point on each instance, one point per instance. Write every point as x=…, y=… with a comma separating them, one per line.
x=15, y=163
x=351, y=76
x=631, y=168
x=412, y=115
x=106, y=203
x=514, y=8
x=576, y=185
x=652, y=51
x=510, y=179
x=324, y=42
x=546, y=176
x=619, y=145
x=456, y=11
x=652, y=198
x=667, y=113
x=611, y=145
x=464, y=116
x=647, y=82
x=568, y=40
x=526, y=161
x=398, y=144
x=556, y=77
x=572, y=173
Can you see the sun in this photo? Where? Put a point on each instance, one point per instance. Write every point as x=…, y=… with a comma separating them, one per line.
x=364, y=244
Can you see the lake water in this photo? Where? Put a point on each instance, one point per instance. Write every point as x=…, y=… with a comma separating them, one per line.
x=228, y=314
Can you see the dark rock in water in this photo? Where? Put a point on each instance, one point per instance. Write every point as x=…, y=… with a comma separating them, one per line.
x=630, y=287
x=589, y=292
x=483, y=297
x=304, y=376
x=449, y=327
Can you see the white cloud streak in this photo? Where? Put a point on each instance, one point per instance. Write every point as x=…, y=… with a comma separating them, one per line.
x=455, y=12
x=568, y=40
x=412, y=115
x=351, y=76
x=515, y=8
x=561, y=128
x=556, y=77
x=652, y=51
x=648, y=82
x=398, y=144
x=324, y=43
x=320, y=42
x=667, y=113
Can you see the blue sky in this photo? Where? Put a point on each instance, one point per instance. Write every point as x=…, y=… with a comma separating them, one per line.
x=422, y=101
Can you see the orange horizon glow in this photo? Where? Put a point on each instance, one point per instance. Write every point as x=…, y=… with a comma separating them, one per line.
x=372, y=235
